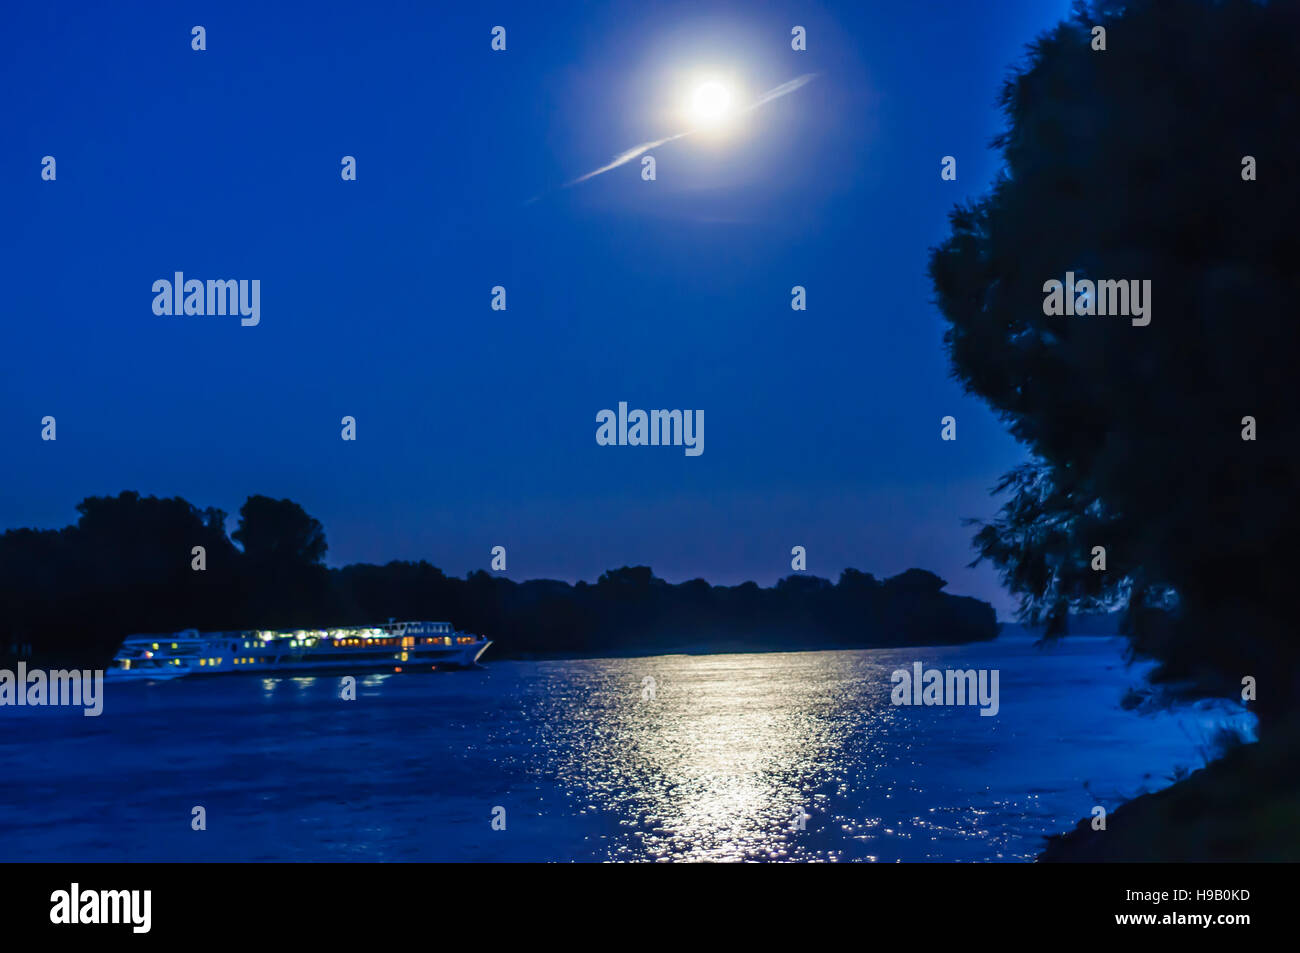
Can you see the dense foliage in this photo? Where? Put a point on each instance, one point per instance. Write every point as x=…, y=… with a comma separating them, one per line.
x=1127, y=163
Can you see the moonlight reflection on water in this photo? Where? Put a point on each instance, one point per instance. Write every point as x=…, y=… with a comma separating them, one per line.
x=782, y=756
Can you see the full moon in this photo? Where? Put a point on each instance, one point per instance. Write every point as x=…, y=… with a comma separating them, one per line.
x=710, y=104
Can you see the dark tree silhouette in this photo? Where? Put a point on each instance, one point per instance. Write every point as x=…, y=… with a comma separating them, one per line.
x=1127, y=163
x=286, y=582
x=126, y=567
x=279, y=533
x=72, y=594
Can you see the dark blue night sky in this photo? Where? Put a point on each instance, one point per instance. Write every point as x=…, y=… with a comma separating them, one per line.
x=477, y=427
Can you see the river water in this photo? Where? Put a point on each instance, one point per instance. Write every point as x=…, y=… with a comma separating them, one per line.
x=784, y=756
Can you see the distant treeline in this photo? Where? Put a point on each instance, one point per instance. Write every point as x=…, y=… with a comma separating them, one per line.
x=128, y=566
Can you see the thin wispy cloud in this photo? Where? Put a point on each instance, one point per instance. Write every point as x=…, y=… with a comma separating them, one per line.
x=628, y=155
x=784, y=89
x=624, y=157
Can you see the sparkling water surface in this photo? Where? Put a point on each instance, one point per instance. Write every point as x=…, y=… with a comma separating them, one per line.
x=723, y=760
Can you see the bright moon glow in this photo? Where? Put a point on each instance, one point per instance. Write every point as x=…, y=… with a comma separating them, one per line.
x=710, y=104
x=712, y=114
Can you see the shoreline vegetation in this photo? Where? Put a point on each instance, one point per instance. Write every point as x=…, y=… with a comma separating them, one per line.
x=134, y=564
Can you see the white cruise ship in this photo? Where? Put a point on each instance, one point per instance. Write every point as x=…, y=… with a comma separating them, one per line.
x=394, y=646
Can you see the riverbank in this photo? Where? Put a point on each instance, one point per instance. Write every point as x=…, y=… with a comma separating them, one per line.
x=710, y=647
x=1243, y=807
